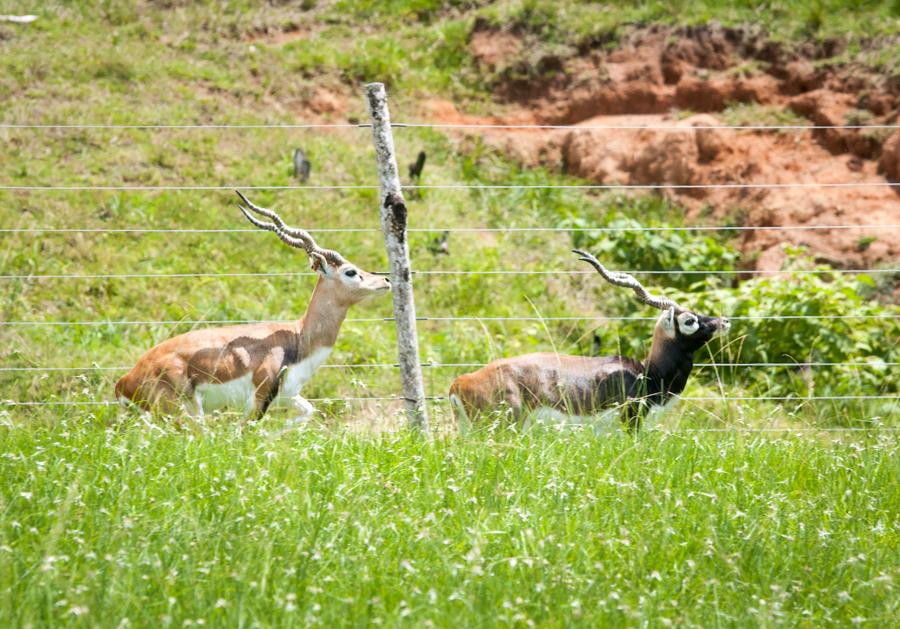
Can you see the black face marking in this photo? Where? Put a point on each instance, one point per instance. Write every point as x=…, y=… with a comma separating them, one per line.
x=706, y=329
x=671, y=362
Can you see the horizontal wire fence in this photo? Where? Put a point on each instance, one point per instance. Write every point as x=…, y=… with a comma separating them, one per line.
x=489, y=230
x=443, y=398
x=483, y=127
x=783, y=365
x=459, y=186
x=113, y=276
x=423, y=318
x=876, y=427
x=438, y=125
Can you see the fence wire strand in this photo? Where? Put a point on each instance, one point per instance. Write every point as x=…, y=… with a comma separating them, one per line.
x=502, y=272
x=762, y=365
x=440, y=125
x=441, y=398
x=424, y=318
x=451, y=230
x=459, y=186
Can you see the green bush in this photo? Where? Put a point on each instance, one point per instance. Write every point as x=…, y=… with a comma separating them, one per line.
x=850, y=325
x=655, y=250
x=378, y=59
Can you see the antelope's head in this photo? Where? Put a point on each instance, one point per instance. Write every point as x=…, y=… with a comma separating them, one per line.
x=352, y=284
x=688, y=330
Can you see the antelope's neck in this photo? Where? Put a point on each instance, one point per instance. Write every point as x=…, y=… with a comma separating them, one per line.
x=667, y=369
x=320, y=325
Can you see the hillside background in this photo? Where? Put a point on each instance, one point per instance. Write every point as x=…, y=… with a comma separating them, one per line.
x=683, y=64
x=770, y=497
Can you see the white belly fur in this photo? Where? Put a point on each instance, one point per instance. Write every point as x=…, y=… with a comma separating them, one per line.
x=607, y=421
x=241, y=394
x=296, y=376
x=238, y=393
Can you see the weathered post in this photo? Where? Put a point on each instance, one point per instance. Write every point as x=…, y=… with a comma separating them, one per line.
x=393, y=223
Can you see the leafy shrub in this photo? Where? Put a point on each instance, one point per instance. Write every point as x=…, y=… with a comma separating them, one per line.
x=850, y=325
x=422, y=10
x=655, y=250
x=376, y=59
x=756, y=114
x=450, y=52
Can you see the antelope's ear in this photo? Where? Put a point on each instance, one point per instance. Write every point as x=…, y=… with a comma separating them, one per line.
x=667, y=322
x=319, y=264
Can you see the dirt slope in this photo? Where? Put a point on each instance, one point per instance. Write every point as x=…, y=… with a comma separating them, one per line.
x=688, y=78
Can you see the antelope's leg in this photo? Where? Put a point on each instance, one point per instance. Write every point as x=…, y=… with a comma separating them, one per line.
x=197, y=410
x=304, y=408
x=267, y=383
x=633, y=414
x=167, y=393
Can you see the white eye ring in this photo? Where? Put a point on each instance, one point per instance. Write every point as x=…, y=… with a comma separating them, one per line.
x=688, y=323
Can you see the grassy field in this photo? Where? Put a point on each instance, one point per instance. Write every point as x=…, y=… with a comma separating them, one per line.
x=111, y=524
x=108, y=519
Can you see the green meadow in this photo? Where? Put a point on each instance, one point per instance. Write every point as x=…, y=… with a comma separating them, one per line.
x=768, y=497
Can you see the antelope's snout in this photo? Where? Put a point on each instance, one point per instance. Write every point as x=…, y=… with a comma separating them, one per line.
x=383, y=283
x=375, y=284
x=713, y=326
x=723, y=325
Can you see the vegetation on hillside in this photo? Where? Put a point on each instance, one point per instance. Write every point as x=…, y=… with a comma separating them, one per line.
x=127, y=63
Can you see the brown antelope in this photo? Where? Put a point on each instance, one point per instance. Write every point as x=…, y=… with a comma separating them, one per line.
x=252, y=366
x=576, y=385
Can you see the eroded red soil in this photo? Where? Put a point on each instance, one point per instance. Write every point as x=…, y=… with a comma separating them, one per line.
x=686, y=79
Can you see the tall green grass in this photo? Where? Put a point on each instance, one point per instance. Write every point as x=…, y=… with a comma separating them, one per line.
x=112, y=524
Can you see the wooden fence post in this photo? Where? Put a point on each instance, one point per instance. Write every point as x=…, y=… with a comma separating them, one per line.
x=393, y=223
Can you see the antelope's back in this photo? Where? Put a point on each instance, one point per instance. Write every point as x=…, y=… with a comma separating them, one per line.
x=545, y=379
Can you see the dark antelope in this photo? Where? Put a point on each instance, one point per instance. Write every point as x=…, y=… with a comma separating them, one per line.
x=251, y=366
x=577, y=385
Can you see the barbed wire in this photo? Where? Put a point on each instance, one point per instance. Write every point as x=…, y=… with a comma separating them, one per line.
x=460, y=186
x=498, y=230
x=112, y=276
x=426, y=318
x=764, y=365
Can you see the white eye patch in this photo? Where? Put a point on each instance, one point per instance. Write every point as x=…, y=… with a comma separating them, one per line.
x=688, y=323
x=350, y=276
